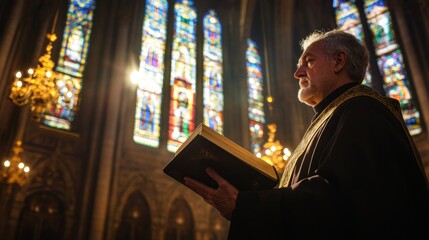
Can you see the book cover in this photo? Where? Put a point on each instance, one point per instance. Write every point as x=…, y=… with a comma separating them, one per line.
x=206, y=148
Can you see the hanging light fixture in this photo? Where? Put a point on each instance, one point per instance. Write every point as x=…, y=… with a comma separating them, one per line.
x=14, y=170
x=37, y=87
x=273, y=151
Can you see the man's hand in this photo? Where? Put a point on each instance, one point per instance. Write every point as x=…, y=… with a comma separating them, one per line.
x=223, y=198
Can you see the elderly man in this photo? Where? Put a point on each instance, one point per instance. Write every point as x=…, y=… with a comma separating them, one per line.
x=354, y=175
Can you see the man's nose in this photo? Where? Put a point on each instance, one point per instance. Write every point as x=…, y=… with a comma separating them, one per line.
x=299, y=72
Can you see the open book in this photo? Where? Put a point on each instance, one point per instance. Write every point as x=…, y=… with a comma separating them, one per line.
x=206, y=148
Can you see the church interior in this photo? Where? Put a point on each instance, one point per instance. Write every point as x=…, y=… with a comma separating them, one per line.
x=116, y=86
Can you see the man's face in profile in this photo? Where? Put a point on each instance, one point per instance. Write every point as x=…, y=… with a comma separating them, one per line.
x=315, y=74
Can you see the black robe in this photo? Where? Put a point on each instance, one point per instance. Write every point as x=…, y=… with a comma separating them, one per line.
x=357, y=179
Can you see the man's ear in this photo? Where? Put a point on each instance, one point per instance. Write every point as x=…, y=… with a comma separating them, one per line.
x=340, y=61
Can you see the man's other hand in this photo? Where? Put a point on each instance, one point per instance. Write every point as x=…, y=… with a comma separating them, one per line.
x=223, y=198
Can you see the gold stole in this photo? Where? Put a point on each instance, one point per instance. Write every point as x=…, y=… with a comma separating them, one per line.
x=359, y=90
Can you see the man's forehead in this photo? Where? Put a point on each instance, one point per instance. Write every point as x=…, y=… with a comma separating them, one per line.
x=311, y=50
x=307, y=52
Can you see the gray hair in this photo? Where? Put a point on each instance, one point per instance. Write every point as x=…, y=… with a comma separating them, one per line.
x=337, y=40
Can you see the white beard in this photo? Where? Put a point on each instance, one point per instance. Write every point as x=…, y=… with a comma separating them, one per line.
x=305, y=95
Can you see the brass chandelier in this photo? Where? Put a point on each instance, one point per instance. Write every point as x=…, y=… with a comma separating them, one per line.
x=273, y=152
x=14, y=170
x=38, y=87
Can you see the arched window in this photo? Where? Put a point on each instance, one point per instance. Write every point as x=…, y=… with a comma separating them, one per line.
x=180, y=221
x=182, y=82
x=183, y=75
x=71, y=64
x=213, y=80
x=149, y=91
x=256, y=97
x=43, y=217
x=381, y=38
x=136, y=219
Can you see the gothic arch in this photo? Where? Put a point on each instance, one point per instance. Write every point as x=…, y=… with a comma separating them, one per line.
x=53, y=176
x=137, y=182
x=180, y=220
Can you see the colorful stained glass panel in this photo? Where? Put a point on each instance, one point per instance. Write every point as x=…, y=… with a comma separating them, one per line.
x=61, y=114
x=213, y=80
x=256, y=98
x=381, y=26
x=149, y=92
x=76, y=37
x=390, y=62
x=183, y=75
x=181, y=113
x=347, y=17
x=397, y=85
x=71, y=64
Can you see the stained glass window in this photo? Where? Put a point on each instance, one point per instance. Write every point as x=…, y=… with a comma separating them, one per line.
x=389, y=56
x=390, y=62
x=213, y=82
x=183, y=75
x=381, y=26
x=256, y=98
x=149, y=91
x=71, y=64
